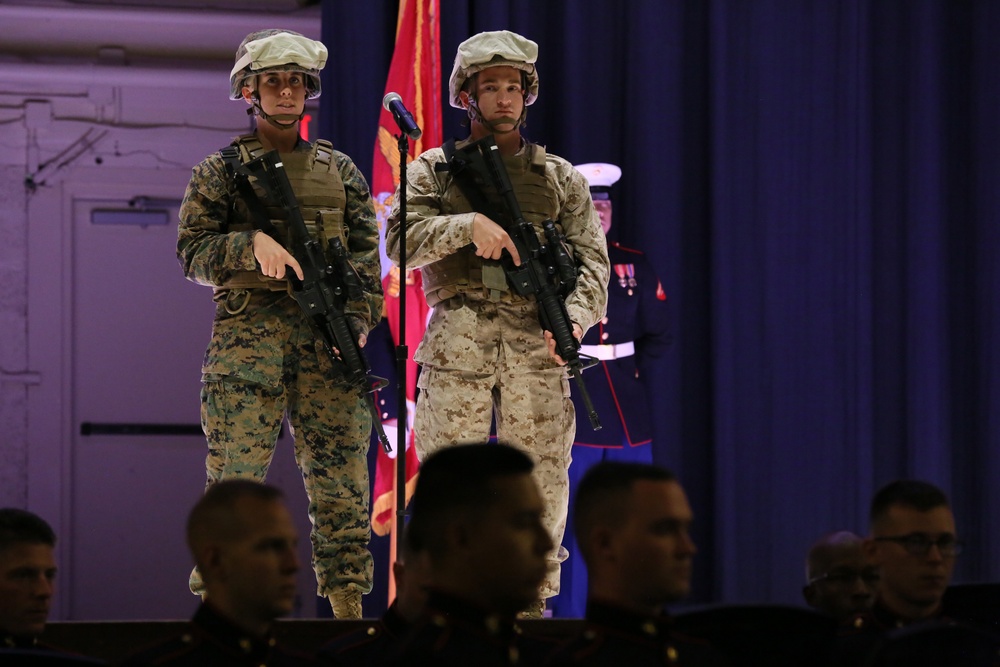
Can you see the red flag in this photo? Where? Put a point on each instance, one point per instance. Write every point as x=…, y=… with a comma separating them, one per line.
x=415, y=74
x=385, y=474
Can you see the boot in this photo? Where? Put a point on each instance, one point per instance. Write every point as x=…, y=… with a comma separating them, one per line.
x=346, y=603
x=535, y=610
x=195, y=583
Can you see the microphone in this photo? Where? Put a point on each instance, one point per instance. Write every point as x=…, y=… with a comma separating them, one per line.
x=394, y=103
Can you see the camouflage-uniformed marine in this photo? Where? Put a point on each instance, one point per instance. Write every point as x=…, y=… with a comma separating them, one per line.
x=265, y=360
x=483, y=352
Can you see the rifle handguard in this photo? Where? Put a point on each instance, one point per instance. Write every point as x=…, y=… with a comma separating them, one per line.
x=565, y=267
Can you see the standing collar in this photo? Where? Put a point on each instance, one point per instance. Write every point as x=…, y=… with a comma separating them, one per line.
x=221, y=630
x=612, y=617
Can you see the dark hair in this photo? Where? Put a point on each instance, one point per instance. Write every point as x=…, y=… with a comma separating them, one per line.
x=916, y=494
x=458, y=479
x=213, y=514
x=604, y=488
x=19, y=526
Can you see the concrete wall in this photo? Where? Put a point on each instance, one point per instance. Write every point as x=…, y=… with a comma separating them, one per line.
x=15, y=376
x=116, y=97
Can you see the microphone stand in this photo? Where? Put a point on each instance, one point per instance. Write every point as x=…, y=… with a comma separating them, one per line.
x=402, y=352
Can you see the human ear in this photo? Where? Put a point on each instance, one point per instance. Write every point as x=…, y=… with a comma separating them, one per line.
x=809, y=595
x=603, y=543
x=870, y=549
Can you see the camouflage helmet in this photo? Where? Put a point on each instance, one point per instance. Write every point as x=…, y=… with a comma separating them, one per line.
x=500, y=48
x=275, y=50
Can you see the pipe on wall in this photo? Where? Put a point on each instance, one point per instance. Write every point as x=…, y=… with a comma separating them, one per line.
x=139, y=32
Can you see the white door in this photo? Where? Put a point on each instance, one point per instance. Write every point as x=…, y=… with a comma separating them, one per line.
x=136, y=332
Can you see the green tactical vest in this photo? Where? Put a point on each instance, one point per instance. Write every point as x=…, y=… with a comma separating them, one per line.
x=463, y=271
x=322, y=200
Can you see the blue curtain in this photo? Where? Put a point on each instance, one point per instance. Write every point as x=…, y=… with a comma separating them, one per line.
x=817, y=183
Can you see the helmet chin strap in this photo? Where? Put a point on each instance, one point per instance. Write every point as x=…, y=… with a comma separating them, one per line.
x=282, y=121
x=476, y=115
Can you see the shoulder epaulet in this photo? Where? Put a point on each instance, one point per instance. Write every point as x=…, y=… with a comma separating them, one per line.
x=537, y=158
x=249, y=146
x=323, y=154
x=353, y=640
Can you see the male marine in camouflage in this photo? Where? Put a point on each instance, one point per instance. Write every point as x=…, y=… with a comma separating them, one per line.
x=484, y=352
x=264, y=359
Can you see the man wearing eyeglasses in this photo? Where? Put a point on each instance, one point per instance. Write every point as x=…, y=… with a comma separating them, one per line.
x=913, y=544
x=840, y=580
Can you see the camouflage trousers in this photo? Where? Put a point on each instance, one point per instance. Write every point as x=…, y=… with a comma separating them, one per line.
x=533, y=412
x=331, y=426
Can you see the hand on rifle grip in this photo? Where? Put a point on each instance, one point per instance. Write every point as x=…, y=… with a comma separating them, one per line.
x=553, y=345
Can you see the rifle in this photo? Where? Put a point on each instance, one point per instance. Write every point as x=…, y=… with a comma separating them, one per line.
x=325, y=288
x=546, y=270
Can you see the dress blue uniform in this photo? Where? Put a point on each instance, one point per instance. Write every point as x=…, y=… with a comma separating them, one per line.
x=617, y=636
x=211, y=640
x=366, y=646
x=634, y=332
x=457, y=632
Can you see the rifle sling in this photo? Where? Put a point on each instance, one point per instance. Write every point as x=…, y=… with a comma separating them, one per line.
x=463, y=172
x=462, y=164
x=240, y=175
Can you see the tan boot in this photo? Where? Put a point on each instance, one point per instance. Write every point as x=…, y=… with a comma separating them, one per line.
x=195, y=583
x=346, y=603
x=535, y=610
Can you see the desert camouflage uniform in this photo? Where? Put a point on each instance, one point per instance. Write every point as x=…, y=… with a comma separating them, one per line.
x=482, y=357
x=265, y=360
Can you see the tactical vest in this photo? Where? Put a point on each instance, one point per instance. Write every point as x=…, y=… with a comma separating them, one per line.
x=319, y=191
x=463, y=271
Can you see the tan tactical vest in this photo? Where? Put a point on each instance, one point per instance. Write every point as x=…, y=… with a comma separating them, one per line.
x=463, y=271
x=322, y=200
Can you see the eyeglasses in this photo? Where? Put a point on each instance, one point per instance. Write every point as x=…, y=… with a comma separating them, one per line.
x=847, y=577
x=919, y=544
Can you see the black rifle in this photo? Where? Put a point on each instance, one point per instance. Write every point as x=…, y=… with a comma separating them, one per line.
x=325, y=288
x=546, y=270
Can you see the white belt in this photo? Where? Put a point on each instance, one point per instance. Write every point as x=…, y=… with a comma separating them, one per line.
x=606, y=352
